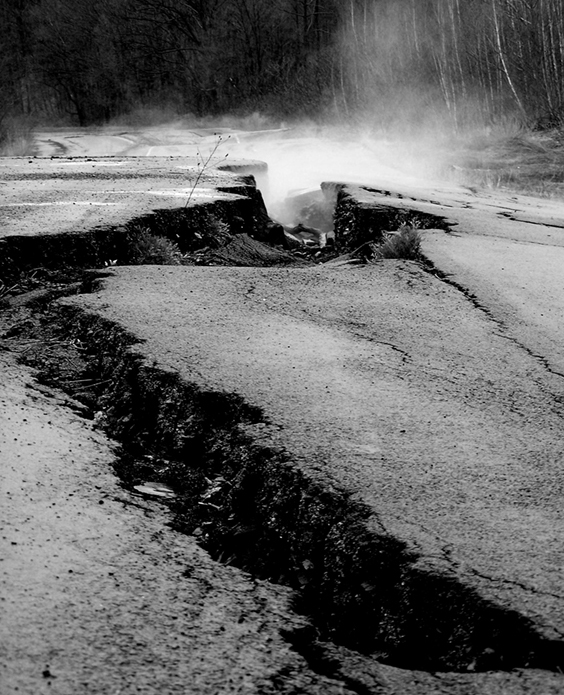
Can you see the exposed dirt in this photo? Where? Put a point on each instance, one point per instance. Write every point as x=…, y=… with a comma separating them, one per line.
x=99, y=596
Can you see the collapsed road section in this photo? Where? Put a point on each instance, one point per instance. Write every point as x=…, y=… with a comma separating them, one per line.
x=85, y=212
x=360, y=434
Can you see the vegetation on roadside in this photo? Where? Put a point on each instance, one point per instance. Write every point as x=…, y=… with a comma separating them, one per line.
x=523, y=161
x=437, y=63
x=38, y=280
x=148, y=249
x=205, y=163
x=405, y=243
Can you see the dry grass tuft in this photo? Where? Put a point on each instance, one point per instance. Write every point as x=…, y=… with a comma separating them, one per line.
x=405, y=243
x=531, y=163
x=148, y=249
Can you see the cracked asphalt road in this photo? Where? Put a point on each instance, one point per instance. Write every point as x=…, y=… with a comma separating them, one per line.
x=397, y=389
x=98, y=596
x=396, y=386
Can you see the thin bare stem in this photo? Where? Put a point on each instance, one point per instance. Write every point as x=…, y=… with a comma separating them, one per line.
x=205, y=166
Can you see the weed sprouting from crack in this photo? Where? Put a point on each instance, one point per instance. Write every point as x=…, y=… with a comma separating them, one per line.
x=405, y=244
x=149, y=249
x=204, y=165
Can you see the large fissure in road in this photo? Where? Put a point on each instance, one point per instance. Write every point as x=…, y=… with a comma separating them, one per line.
x=250, y=505
x=255, y=508
x=325, y=224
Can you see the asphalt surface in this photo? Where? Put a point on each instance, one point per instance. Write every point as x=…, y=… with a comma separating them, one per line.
x=506, y=251
x=99, y=596
x=66, y=194
x=396, y=389
x=520, y=282
x=441, y=416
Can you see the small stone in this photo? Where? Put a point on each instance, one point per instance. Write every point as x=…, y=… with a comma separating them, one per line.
x=155, y=490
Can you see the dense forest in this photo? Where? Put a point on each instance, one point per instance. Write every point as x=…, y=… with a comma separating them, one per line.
x=88, y=61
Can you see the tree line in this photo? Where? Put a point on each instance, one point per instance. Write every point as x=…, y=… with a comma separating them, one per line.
x=467, y=59
x=88, y=61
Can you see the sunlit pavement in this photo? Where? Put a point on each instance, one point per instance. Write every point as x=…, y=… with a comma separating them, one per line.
x=437, y=404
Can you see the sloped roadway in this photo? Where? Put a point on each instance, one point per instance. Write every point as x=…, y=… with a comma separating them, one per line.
x=381, y=380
